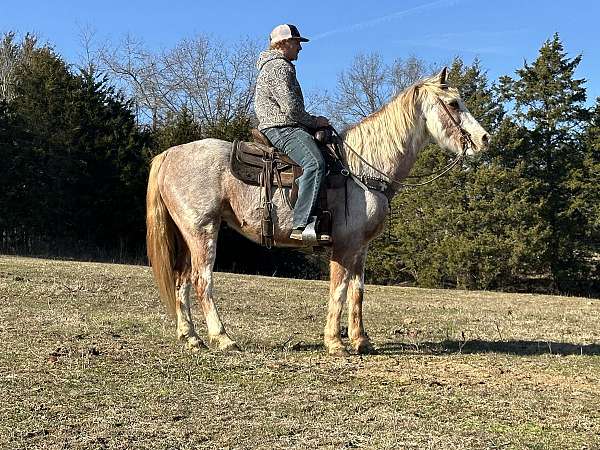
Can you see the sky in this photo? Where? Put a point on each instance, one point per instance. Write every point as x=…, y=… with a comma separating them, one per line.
x=502, y=34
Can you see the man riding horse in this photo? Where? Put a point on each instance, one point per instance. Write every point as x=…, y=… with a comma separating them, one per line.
x=282, y=117
x=184, y=213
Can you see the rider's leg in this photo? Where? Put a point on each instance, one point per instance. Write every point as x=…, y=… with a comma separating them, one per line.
x=301, y=148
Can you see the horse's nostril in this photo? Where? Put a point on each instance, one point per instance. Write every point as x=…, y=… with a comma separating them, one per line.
x=485, y=139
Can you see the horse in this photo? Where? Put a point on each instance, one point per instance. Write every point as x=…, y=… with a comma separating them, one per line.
x=191, y=191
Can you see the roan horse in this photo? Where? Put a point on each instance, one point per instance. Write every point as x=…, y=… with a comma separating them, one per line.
x=191, y=190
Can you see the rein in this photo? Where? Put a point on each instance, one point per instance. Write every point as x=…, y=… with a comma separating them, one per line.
x=363, y=180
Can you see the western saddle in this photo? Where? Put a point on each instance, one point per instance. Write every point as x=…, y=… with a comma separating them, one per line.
x=259, y=163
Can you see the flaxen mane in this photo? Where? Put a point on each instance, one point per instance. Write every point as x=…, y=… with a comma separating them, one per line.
x=384, y=135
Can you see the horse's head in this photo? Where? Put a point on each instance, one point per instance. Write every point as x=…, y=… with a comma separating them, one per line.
x=447, y=119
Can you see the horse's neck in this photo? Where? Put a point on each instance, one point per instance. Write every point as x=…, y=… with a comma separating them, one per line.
x=398, y=156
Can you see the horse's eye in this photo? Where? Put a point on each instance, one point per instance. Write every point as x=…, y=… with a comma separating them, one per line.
x=454, y=104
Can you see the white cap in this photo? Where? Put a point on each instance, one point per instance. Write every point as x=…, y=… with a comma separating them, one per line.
x=285, y=31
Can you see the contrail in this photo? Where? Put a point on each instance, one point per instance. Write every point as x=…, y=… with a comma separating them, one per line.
x=396, y=15
x=462, y=41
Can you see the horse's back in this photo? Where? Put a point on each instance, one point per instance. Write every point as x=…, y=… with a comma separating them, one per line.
x=201, y=154
x=204, y=160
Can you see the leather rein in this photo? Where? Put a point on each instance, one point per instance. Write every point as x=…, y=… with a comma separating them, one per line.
x=384, y=184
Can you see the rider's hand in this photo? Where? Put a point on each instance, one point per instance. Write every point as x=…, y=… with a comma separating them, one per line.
x=322, y=122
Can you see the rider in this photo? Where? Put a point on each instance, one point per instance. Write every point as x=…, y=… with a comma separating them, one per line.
x=282, y=117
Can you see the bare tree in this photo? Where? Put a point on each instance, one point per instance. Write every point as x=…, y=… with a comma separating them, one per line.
x=88, y=56
x=406, y=72
x=369, y=83
x=213, y=81
x=361, y=90
x=317, y=101
x=12, y=55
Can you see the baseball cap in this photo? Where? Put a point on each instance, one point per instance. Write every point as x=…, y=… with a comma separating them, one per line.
x=285, y=31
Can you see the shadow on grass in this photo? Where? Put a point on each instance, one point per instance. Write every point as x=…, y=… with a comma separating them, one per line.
x=478, y=346
x=306, y=347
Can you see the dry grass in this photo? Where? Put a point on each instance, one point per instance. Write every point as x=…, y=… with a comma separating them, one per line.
x=88, y=360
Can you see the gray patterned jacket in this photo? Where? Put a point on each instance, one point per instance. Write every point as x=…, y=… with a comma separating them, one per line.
x=278, y=99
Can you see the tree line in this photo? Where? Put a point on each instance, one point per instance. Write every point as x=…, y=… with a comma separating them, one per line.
x=76, y=140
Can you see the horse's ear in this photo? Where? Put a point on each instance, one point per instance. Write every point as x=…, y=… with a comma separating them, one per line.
x=442, y=77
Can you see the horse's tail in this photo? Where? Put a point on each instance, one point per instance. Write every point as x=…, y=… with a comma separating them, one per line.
x=161, y=237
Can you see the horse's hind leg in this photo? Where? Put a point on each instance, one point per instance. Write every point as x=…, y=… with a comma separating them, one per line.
x=203, y=247
x=185, y=325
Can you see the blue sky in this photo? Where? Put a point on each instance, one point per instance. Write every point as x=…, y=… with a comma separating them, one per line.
x=502, y=34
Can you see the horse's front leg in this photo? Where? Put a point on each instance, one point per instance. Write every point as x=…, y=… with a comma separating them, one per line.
x=338, y=287
x=356, y=287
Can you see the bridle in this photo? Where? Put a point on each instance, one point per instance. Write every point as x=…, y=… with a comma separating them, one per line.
x=384, y=184
x=465, y=137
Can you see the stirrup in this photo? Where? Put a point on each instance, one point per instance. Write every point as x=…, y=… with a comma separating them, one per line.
x=310, y=236
x=296, y=234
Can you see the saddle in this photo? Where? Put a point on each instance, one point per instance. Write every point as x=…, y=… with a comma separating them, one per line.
x=259, y=163
x=248, y=161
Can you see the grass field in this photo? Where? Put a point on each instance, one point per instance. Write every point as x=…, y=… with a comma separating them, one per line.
x=89, y=360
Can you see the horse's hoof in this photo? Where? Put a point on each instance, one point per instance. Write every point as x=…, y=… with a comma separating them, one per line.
x=224, y=343
x=195, y=344
x=192, y=343
x=231, y=347
x=364, y=347
x=338, y=352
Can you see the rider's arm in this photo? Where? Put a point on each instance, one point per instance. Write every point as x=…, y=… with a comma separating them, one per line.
x=288, y=95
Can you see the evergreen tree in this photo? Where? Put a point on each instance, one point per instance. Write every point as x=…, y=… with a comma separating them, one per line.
x=17, y=178
x=111, y=191
x=549, y=103
x=586, y=183
x=471, y=228
x=177, y=129
x=86, y=167
x=229, y=130
x=591, y=173
x=40, y=92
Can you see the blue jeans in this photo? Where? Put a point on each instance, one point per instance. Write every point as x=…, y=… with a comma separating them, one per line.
x=303, y=150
